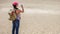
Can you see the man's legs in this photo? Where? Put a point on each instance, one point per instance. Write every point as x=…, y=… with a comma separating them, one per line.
x=13, y=28
x=17, y=26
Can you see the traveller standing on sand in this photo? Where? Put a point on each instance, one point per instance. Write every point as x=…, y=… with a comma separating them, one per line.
x=16, y=21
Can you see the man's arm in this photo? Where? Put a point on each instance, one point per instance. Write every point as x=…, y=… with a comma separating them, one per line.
x=22, y=9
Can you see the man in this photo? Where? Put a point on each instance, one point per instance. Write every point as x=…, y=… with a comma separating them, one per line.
x=15, y=23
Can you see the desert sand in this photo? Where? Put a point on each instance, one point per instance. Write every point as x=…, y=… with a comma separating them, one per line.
x=40, y=17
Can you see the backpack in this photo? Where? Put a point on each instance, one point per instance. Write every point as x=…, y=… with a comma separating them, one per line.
x=12, y=16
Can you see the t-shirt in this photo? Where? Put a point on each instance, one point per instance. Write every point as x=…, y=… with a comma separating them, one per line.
x=17, y=16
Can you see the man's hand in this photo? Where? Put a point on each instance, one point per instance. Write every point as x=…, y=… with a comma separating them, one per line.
x=22, y=8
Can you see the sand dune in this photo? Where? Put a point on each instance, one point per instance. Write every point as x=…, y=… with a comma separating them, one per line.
x=32, y=23
x=40, y=17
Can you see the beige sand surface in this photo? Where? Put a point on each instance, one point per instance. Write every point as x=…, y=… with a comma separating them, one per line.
x=33, y=24
x=40, y=17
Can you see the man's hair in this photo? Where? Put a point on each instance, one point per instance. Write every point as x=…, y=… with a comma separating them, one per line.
x=14, y=6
